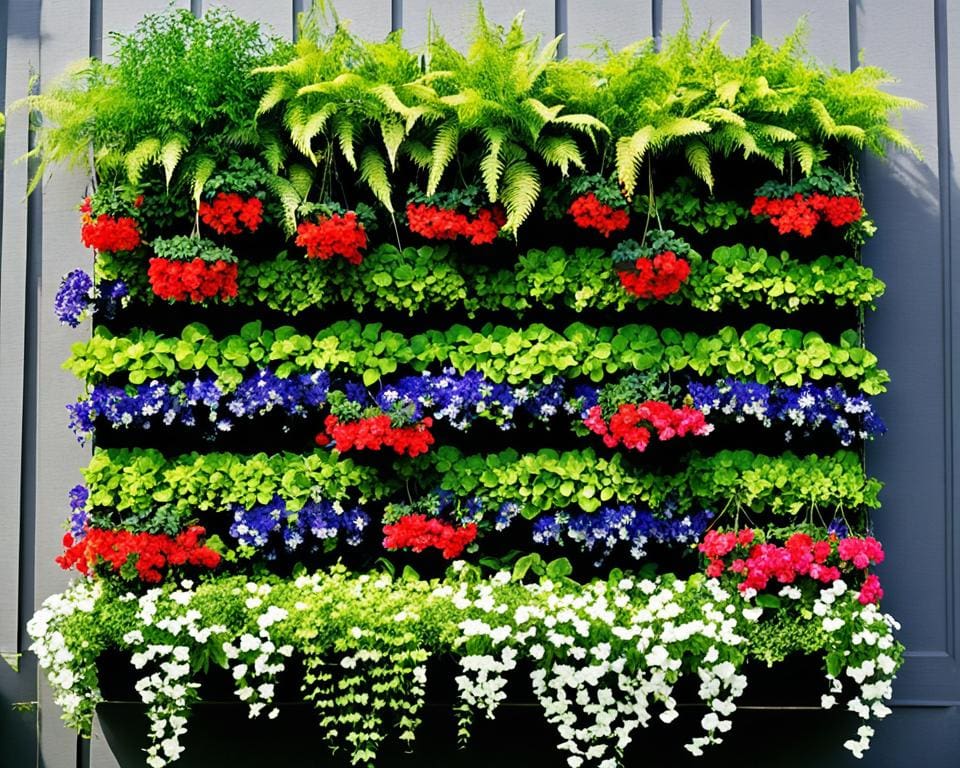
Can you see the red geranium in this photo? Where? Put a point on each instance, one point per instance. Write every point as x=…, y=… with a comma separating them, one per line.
x=801, y=213
x=375, y=432
x=106, y=233
x=655, y=278
x=590, y=213
x=333, y=235
x=195, y=280
x=148, y=553
x=420, y=532
x=436, y=223
x=229, y=210
x=633, y=425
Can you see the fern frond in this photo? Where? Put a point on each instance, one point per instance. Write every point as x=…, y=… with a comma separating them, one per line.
x=519, y=193
x=276, y=93
x=806, y=155
x=560, y=151
x=444, y=148
x=140, y=156
x=393, y=134
x=289, y=199
x=343, y=130
x=727, y=92
x=203, y=168
x=301, y=179
x=373, y=173
x=418, y=152
x=491, y=167
x=698, y=158
x=304, y=127
x=677, y=128
x=630, y=152
x=170, y=154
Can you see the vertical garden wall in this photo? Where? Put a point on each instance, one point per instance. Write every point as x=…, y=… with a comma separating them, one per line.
x=424, y=317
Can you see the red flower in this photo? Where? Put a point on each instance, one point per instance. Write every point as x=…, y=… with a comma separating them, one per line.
x=229, y=210
x=589, y=213
x=148, y=553
x=633, y=425
x=656, y=278
x=105, y=233
x=435, y=223
x=373, y=433
x=333, y=235
x=802, y=214
x=420, y=532
x=195, y=280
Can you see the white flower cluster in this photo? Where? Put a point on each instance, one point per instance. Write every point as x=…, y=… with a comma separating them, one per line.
x=70, y=672
x=254, y=659
x=167, y=691
x=865, y=651
x=603, y=656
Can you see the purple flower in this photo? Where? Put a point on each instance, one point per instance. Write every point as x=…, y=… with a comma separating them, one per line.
x=74, y=297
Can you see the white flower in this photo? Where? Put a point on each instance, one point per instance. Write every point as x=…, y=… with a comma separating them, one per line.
x=827, y=702
x=752, y=614
x=832, y=624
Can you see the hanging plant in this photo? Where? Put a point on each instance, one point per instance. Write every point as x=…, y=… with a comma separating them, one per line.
x=655, y=269
x=452, y=214
x=594, y=202
x=108, y=221
x=234, y=197
x=823, y=196
x=334, y=231
x=192, y=269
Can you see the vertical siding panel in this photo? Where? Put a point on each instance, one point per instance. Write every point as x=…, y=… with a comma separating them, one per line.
x=374, y=19
x=619, y=22
x=275, y=14
x=58, y=457
x=122, y=16
x=456, y=18
x=23, y=53
x=908, y=334
x=710, y=14
x=828, y=25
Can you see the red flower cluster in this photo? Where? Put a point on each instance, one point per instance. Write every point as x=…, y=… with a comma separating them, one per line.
x=106, y=233
x=799, y=556
x=802, y=214
x=420, y=532
x=376, y=432
x=589, y=213
x=229, y=210
x=195, y=280
x=632, y=425
x=146, y=552
x=656, y=278
x=333, y=235
x=436, y=223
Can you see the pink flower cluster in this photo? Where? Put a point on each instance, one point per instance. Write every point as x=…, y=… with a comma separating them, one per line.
x=824, y=560
x=633, y=425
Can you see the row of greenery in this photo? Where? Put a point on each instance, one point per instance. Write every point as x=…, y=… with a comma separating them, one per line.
x=364, y=641
x=498, y=352
x=144, y=490
x=507, y=114
x=414, y=279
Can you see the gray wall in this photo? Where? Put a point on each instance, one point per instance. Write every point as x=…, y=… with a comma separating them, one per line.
x=915, y=332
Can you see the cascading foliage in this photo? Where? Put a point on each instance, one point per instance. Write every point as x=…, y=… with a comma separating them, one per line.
x=545, y=365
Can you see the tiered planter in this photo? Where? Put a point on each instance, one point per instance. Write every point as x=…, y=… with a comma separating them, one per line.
x=412, y=420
